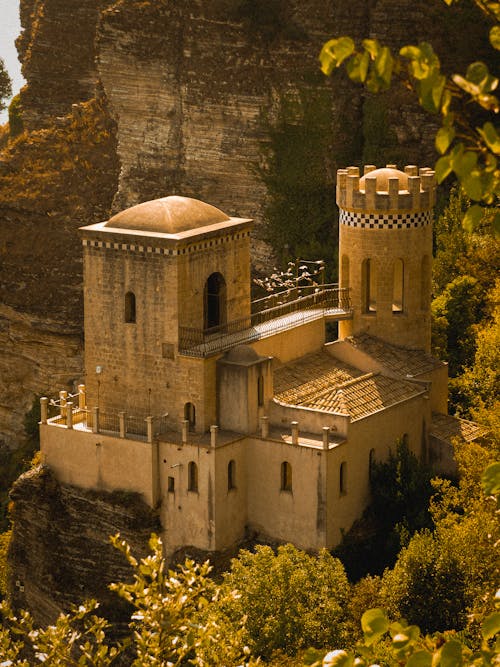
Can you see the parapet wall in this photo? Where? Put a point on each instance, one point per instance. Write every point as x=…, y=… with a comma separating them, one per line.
x=386, y=189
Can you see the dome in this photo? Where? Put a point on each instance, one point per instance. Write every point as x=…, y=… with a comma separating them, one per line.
x=168, y=215
x=383, y=175
x=242, y=354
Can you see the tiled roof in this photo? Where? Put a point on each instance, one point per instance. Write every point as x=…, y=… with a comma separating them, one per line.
x=321, y=382
x=446, y=428
x=394, y=358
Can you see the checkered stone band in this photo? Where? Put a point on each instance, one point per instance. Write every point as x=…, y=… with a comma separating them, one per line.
x=386, y=220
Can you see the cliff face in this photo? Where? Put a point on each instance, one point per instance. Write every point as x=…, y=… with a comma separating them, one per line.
x=170, y=98
x=60, y=553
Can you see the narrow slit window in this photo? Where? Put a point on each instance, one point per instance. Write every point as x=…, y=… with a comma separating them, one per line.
x=398, y=287
x=192, y=476
x=130, y=312
x=190, y=416
x=260, y=391
x=286, y=476
x=171, y=484
x=369, y=286
x=343, y=478
x=231, y=475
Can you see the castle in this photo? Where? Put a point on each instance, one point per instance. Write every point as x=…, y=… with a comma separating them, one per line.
x=232, y=416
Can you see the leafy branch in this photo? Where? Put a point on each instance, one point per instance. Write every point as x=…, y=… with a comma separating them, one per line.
x=468, y=150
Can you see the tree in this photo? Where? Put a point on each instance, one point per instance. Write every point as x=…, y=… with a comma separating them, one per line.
x=467, y=149
x=5, y=85
x=171, y=624
x=290, y=600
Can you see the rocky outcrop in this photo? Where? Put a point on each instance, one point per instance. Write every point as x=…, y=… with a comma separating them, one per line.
x=175, y=97
x=60, y=553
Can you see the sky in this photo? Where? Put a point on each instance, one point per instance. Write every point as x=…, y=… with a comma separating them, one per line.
x=9, y=30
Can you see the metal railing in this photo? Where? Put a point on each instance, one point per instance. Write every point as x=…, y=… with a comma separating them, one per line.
x=109, y=422
x=203, y=342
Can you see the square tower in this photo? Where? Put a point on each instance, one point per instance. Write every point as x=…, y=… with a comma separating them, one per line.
x=160, y=270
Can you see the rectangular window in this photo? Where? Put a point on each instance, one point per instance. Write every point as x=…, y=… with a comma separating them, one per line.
x=171, y=484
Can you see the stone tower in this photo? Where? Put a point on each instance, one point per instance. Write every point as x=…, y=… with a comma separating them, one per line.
x=385, y=252
x=155, y=274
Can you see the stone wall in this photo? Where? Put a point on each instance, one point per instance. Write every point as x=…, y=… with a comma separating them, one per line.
x=193, y=90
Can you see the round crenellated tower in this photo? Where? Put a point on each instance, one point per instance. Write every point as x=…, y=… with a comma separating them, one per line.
x=385, y=252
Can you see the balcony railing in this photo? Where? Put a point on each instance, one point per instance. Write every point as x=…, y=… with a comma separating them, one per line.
x=268, y=316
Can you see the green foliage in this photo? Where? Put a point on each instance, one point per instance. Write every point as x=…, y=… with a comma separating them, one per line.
x=290, y=600
x=455, y=312
x=401, y=490
x=469, y=149
x=16, y=125
x=4, y=545
x=441, y=580
x=402, y=644
x=173, y=622
x=5, y=85
x=477, y=390
x=300, y=207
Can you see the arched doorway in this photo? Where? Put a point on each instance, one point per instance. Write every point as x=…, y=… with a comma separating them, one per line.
x=215, y=301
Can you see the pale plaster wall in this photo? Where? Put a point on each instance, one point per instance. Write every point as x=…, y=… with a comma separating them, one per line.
x=187, y=517
x=296, y=516
x=231, y=504
x=294, y=343
x=98, y=461
x=310, y=421
x=239, y=408
x=379, y=432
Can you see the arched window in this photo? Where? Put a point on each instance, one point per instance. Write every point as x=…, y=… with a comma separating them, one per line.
x=425, y=283
x=286, y=476
x=369, y=286
x=260, y=391
x=344, y=272
x=215, y=301
x=130, y=307
x=398, y=287
x=343, y=478
x=190, y=415
x=231, y=475
x=371, y=461
x=192, y=476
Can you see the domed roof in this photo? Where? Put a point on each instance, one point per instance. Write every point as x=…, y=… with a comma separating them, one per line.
x=168, y=215
x=242, y=354
x=383, y=175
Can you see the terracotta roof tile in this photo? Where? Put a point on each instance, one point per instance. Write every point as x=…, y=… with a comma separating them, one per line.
x=394, y=358
x=445, y=427
x=321, y=382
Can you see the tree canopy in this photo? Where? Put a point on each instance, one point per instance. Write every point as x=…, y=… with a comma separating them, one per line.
x=5, y=85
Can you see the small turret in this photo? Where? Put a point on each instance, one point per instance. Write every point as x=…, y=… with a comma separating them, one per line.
x=385, y=251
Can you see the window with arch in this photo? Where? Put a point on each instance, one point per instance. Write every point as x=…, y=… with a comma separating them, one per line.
x=371, y=462
x=344, y=272
x=231, y=475
x=260, y=391
x=190, y=415
x=398, y=287
x=425, y=283
x=192, y=476
x=130, y=312
x=343, y=478
x=286, y=476
x=369, y=286
x=214, y=301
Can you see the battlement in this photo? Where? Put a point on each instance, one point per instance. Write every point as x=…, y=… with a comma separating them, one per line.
x=387, y=189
